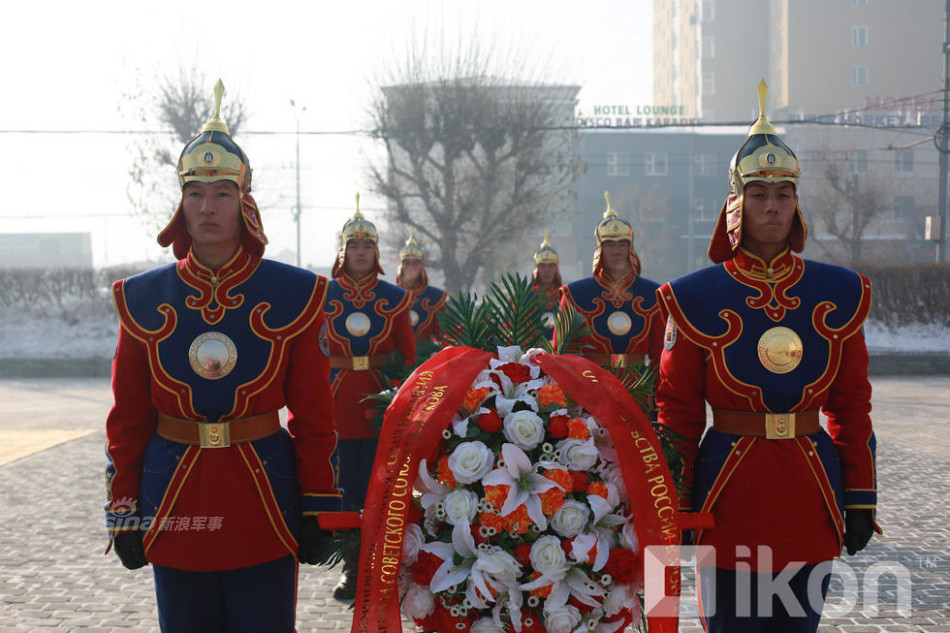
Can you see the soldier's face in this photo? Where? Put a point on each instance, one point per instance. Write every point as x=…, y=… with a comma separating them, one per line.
x=767, y=217
x=212, y=214
x=411, y=271
x=547, y=273
x=359, y=258
x=615, y=257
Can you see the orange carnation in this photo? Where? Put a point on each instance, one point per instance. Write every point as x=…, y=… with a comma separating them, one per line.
x=518, y=521
x=473, y=398
x=598, y=488
x=551, y=500
x=561, y=477
x=551, y=394
x=490, y=519
x=577, y=429
x=496, y=495
x=445, y=473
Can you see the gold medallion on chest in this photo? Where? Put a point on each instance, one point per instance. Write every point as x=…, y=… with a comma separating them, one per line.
x=619, y=323
x=357, y=324
x=212, y=355
x=780, y=350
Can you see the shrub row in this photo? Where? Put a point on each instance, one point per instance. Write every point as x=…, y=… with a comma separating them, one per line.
x=903, y=293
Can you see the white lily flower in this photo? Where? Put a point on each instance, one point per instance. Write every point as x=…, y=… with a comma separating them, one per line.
x=602, y=507
x=524, y=484
x=432, y=491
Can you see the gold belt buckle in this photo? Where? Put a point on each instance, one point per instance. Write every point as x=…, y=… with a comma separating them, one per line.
x=618, y=360
x=779, y=426
x=360, y=363
x=214, y=435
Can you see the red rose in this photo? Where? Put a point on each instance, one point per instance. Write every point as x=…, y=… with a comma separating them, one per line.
x=425, y=567
x=557, y=426
x=566, y=545
x=522, y=553
x=623, y=566
x=489, y=422
x=578, y=480
x=517, y=372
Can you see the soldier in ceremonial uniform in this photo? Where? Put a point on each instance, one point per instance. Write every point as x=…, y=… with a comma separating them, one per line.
x=768, y=339
x=619, y=305
x=368, y=318
x=203, y=481
x=546, y=281
x=426, y=301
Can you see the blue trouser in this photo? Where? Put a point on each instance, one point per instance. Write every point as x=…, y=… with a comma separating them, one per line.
x=787, y=605
x=356, y=467
x=249, y=599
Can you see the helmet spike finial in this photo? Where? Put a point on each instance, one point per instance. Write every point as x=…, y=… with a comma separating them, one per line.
x=610, y=210
x=762, y=125
x=216, y=124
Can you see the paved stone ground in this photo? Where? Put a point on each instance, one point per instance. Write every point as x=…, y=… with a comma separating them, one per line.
x=54, y=576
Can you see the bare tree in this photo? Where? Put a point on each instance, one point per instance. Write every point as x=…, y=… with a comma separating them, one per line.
x=846, y=204
x=474, y=161
x=176, y=106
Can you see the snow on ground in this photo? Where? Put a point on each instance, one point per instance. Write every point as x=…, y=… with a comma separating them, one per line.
x=87, y=330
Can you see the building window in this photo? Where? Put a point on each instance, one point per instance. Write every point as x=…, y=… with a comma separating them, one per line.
x=705, y=164
x=656, y=163
x=903, y=207
x=703, y=211
x=859, y=3
x=618, y=163
x=709, y=84
x=859, y=36
x=904, y=161
x=859, y=162
x=859, y=75
x=708, y=10
x=709, y=47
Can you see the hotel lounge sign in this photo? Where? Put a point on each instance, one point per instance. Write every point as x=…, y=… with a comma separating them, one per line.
x=635, y=116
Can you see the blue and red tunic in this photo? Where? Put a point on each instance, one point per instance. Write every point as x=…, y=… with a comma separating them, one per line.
x=367, y=318
x=425, y=304
x=211, y=509
x=787, y=494
x=623, y=316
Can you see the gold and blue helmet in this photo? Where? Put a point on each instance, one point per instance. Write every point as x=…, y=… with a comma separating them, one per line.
x=613, y=228
x=209, y=157
x=411, y=250
x=763, y=157
x=545, y=253
x=356, y=228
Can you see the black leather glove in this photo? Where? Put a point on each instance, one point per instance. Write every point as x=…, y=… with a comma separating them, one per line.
x=858, y=527
x=311, y=538
x=128, y=545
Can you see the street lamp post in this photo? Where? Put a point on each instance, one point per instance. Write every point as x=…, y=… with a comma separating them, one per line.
x=297, y=115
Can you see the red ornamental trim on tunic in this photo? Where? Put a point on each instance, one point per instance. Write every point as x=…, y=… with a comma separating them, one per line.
x=821, y=476
x=151, y=338
x=836, y=338
x=357, y=294
x=772, y=297
x=279, y=339
x=232, y=274
x=336, y=309
x=256, y=468
x=430, y=308
x=716, y=346
x=174, y=488
x=604, y=343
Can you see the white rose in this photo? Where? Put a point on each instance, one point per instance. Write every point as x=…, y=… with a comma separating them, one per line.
x=561, y=619
x=411, y=542
x=470, y=461
x=418, y=602
x=461, y=506
x=578, y=454
x=547, y=557
x=499, y=565
x=524, y=429
x=570, y=519
x=486, y=625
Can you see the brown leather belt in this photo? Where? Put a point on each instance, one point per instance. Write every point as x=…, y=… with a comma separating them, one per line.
x=358, y=363
x=772, y=426
x=614, y=360
x=218, y=434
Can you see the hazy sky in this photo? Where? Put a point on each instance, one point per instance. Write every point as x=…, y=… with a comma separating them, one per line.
x=66, y=66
